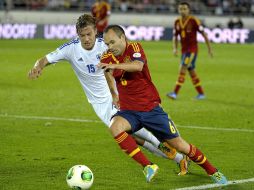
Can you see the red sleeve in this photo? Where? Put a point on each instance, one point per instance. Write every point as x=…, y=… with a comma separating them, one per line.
x=198, y=25
x=136, y=52
x=106, y=58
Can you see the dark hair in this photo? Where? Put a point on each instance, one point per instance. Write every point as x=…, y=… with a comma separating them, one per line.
x=84, y=21
x=117, y=29
x=185, y=3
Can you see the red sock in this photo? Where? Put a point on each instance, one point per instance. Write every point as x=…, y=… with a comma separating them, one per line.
x=199, y=158
x=196, y=82
x=128, y=145
x=179, y=82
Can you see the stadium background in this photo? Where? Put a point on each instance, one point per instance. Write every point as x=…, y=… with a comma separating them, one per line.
x=145, y=20
x=46, y=126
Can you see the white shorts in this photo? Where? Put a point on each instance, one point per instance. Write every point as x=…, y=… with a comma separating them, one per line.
x=105, y=111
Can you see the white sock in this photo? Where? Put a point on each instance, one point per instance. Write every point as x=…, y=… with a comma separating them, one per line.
x=157, y=152
x=178, y=157
x=154, y=149
x=148, y=136
x=152, y=144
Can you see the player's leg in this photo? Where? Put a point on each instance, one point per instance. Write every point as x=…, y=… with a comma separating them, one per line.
x=152, y=144
x=105, y=111
x=194, y=77
x=151, y=120
x=147, y=136
x=182, y=160
x=158, y=148
x=164, y=129
x=149, y=146
x=181, y=76
x=195, y=155
x=119, y=126
x=197, y=84
x=199, y=158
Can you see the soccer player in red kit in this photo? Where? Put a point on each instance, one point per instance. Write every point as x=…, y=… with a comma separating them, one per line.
x=101, y=12
x=187, y=26
x=125, y=65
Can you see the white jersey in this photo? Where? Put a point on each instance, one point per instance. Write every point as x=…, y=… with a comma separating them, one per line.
x=84, y=63
x=92, y=79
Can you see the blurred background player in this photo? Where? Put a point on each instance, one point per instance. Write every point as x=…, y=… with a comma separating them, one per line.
x=140, y=105
x=101, y=12
x=187, y=26
x=84, y=54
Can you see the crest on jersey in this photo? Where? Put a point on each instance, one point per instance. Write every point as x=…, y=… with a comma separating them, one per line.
x=98, y=56
x=137, y=55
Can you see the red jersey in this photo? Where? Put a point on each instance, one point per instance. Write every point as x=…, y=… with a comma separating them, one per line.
x=188, y=33
x=100, y=11
x=136, y=90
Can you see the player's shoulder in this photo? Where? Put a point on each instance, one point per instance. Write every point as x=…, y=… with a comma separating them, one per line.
x=195, y=19
x=134, y=46
x=100, y=44
x=178, y=19
x=70, y=44
x=107, y=55
x=105, y=4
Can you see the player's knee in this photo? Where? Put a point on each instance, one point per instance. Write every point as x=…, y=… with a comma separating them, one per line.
x=184, y=68
x=181, y=79
x=118, y=125
x=116, y=129
x=180, y=145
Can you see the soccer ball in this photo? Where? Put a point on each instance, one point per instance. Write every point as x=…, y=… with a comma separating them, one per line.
x=79, y=177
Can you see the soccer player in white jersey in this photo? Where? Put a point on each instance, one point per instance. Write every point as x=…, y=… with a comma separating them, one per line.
x=83, y=53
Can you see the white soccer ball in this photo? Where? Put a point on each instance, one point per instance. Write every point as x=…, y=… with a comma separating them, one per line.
x=79, y=177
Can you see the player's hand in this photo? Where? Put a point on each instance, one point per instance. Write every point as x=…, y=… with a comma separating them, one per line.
x=116, y=101
x=35, y=72
x=175, y=52
x=105, y=66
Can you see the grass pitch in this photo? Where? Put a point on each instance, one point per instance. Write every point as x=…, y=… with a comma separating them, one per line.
x=36, y=153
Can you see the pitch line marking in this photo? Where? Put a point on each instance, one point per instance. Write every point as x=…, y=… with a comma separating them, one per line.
x=217, y=185
x=215, y=128
x=97, y=121
x=50, y=118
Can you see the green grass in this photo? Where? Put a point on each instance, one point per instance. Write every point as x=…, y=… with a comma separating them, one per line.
x=36, y=154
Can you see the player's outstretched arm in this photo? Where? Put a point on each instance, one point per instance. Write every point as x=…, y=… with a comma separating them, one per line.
x=36, y=71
